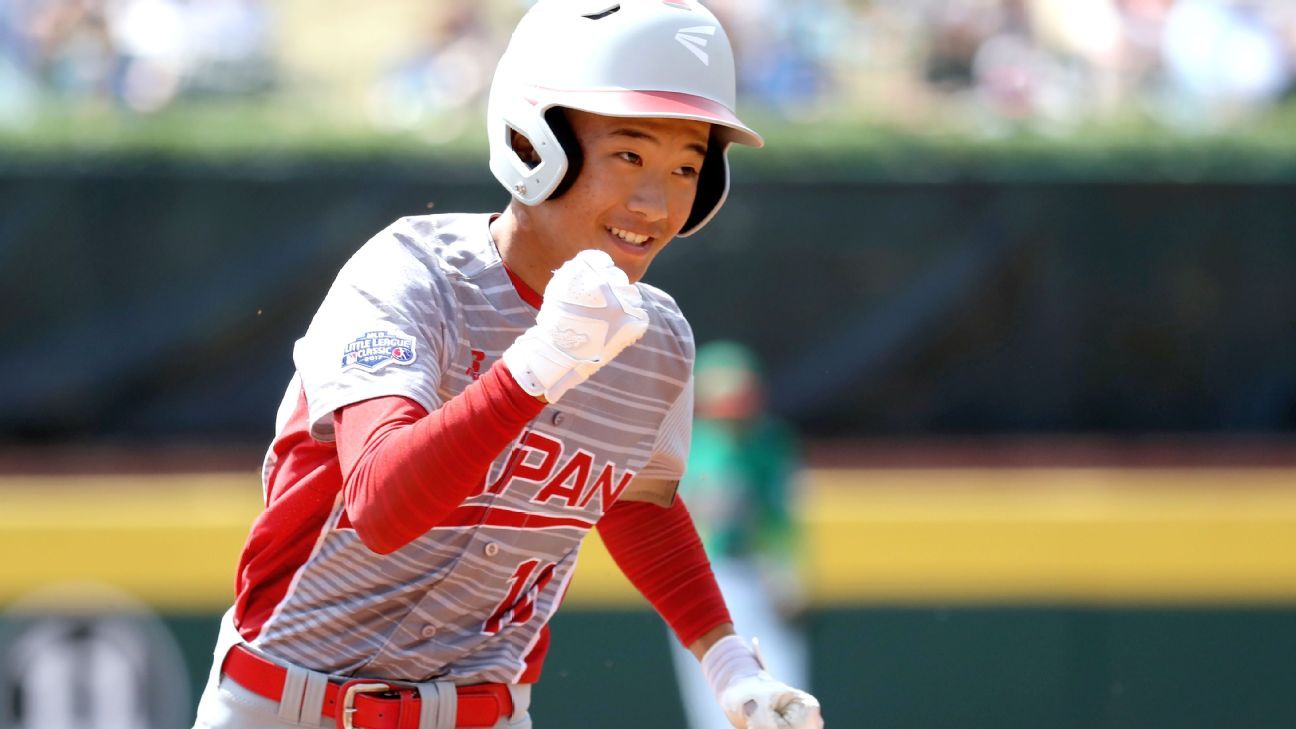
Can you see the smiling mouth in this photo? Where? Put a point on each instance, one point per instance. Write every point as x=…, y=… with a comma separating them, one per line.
x=632, y=238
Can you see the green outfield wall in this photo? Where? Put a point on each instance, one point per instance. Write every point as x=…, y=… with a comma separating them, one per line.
x=935, y=666
x=161, y=299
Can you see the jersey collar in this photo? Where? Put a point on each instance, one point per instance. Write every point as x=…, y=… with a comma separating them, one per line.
x=527, y=293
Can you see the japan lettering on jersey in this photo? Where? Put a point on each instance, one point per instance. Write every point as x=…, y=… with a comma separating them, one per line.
x=420, y=311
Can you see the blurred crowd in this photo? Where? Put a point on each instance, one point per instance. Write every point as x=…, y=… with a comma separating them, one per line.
x=1187, y=63
x=1050, y=64
x=141, y=54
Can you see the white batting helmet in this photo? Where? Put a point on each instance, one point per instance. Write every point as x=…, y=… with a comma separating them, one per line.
x=627, y=58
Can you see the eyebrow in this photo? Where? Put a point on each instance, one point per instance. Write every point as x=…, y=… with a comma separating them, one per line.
x=640, y=134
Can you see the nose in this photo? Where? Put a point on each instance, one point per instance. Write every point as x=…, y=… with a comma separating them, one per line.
x=649, y=200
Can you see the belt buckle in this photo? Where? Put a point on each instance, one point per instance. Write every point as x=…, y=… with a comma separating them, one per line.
x=349, y=691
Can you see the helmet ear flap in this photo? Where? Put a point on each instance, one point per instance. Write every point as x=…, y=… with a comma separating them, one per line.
x=712, y=187
x=562, y=130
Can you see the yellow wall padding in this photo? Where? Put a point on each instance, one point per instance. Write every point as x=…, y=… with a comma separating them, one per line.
x=1087, y=535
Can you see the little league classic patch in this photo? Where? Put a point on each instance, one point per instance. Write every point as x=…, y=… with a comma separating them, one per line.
x=374, y=350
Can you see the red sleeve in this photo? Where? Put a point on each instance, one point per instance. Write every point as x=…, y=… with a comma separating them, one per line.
x=404, y=470
x=660, y=553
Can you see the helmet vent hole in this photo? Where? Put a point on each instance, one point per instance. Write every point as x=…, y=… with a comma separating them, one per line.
x=524, y=151
x=604, y=14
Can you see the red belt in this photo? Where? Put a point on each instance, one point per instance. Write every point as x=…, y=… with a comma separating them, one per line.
x=366, y=703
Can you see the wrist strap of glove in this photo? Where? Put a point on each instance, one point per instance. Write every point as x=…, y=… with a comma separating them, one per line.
x=729, y=660
x=540, y=369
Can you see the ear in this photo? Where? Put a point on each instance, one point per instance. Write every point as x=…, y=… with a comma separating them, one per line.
x=523, y=147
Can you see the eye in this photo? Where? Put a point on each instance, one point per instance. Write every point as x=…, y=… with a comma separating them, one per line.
x=631, y=157
x=687, y=171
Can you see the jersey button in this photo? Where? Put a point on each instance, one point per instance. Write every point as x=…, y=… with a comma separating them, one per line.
x=428, y=631
x=558, y=418
x=492, y=549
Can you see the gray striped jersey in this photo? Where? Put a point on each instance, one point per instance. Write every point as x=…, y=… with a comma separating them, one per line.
x=419, y=311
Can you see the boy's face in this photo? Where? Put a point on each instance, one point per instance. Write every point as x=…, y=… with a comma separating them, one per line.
x=634, y=192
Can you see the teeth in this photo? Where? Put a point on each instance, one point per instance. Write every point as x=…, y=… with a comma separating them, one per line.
x=629, y=237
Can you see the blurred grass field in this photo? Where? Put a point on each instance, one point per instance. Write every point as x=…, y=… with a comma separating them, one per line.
x=288, y=130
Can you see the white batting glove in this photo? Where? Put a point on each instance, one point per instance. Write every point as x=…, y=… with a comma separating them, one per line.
x=591, y=312
x=749, y=696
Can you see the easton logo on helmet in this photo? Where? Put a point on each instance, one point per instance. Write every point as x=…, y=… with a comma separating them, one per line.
x=695, y=44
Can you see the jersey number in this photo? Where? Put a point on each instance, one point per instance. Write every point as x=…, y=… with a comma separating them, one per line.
x=518, y=605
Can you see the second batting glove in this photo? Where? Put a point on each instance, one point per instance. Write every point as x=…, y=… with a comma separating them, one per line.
x=749, y=696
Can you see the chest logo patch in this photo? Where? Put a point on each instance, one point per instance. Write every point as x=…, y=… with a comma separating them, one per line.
x=372, y=351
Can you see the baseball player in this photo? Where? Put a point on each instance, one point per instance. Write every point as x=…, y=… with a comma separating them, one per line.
x=477, y=392
x=740, y=486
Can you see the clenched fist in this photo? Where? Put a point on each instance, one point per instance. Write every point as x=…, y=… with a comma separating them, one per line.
x=591, y=312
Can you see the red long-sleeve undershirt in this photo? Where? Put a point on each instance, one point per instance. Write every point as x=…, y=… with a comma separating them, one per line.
x=404, y=470
x=659, y=551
